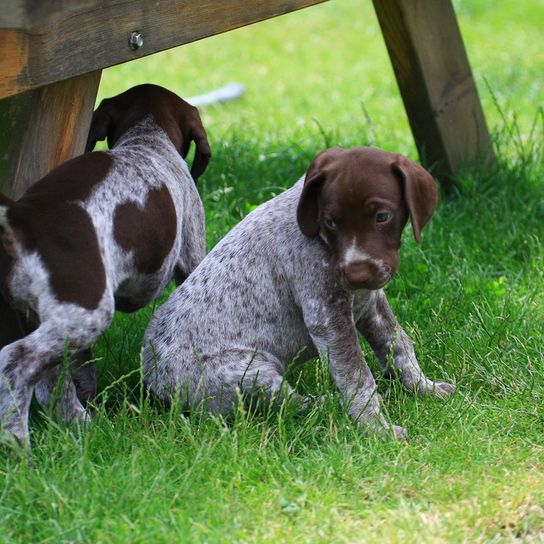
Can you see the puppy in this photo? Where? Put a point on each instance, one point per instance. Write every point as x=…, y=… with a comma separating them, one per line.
x=104, y=231
x=300, y=275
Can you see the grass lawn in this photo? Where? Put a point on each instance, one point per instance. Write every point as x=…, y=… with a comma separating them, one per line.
x=471, y=296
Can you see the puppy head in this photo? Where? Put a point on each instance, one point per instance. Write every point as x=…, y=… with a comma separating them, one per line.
x=358, y=201
x=176, y=117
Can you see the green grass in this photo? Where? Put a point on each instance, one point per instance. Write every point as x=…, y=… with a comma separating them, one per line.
x=471, y=297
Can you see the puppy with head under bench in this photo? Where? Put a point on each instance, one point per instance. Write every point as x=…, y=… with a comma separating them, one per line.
x=304, y=272
x=102, y=232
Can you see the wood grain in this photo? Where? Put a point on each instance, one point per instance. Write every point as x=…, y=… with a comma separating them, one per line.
x=43, y=128
x=436, y=83
x=41, y=46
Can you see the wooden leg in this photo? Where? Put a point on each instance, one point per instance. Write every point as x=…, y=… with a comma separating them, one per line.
x=42, y=128
x=439, y=93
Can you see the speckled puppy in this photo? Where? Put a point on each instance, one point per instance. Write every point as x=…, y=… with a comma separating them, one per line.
x=104, y=231
x=304, y=270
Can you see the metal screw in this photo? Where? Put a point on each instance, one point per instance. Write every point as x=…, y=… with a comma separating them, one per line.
x=136, y=40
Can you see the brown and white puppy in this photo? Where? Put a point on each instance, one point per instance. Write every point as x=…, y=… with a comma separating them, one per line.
x=300, y=275
x=104, y=231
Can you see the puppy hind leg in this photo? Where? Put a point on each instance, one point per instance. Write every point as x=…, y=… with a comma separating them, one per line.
x=65, y=392
x=56, y=394
x=23, y=363
x=83, y=372
x=261, y=380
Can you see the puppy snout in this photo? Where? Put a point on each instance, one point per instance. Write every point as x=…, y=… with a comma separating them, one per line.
x=359, y=273
x=364, y=274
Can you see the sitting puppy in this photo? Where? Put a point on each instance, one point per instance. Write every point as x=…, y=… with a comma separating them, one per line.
x=104, y=231
x=304, y=270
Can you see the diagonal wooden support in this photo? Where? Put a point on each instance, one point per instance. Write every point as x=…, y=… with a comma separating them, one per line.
x=436, y=84
x=42, y=128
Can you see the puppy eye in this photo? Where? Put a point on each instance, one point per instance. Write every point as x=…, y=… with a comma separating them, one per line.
x=330, y=223
x=383, y=217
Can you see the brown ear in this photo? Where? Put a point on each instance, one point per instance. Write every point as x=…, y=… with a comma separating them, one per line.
x=188, y=128
x=420, y=192
x=100, y=126
x=203, y=153
x=308, y=204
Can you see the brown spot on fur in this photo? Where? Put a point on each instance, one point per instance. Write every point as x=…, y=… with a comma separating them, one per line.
x=149, y=232
x=72, y=180
x=50, y=222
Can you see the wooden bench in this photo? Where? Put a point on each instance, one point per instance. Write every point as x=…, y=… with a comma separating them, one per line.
x=52, y=57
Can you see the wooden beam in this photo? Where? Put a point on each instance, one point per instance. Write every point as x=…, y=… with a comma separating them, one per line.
x=436, y=83
x=41, y=45
x=42, y=128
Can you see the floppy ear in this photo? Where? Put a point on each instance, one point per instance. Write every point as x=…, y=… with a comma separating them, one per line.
x=203, y=152
x=100, y=126
x=308, y=204
x=420, y=192
x=186, y=128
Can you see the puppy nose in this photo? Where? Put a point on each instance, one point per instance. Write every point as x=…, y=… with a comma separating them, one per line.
x=359, y=273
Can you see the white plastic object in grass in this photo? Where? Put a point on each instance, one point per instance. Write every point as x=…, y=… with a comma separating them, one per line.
x=230, y=91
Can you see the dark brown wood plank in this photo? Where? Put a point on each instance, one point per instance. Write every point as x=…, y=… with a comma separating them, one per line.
x=42, y=46
x=436, y=83
x=42, y=128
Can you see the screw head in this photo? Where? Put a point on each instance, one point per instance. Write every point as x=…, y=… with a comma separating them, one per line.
x=135, y=40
